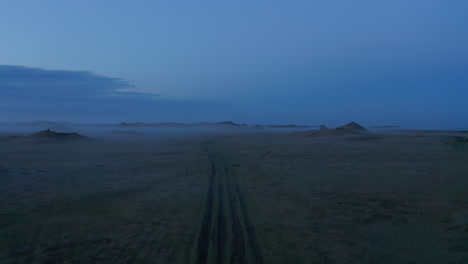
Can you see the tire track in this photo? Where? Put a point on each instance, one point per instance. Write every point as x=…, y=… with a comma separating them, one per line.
x=253, y=244
x=205, y=229
x=226, y=234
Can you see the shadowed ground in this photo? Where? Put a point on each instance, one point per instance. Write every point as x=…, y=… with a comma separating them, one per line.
x=260, y=198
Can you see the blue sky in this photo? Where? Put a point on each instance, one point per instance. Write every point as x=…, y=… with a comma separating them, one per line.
x=308, y=62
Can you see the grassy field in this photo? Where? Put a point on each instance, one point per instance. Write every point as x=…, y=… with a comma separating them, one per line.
x=356, y=199
x=258, y=198
x=85, y=202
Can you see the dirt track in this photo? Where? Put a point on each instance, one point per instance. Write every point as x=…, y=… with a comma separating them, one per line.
x=226, y=234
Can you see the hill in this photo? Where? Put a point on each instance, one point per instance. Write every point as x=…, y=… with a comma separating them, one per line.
x=352, y=127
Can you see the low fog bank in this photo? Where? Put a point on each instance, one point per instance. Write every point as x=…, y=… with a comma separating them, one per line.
x=151, y=131
x=141, y=131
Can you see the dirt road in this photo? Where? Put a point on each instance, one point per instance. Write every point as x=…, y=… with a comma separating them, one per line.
x=226, y=233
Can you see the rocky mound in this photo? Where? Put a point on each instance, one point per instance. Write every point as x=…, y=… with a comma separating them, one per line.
x=55, y=135
x=352, y=127
x=323, y=127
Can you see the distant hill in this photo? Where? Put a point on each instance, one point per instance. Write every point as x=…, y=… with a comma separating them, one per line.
x=286, y=126
x=47, y=135
x=70, y=127
x=352, y=127
x=208, y=124
x=220, y=124
x=230, y=124
x=55, y=135
x=175, y=124
x=140, y=124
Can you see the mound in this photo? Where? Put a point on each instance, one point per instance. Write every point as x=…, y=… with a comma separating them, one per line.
x=352, y=127
x=55, y=135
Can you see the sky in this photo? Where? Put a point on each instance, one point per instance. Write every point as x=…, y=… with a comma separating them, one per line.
x=386, y=62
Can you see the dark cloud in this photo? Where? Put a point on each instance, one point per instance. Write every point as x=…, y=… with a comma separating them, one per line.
x=29, y=94
x=18, y=83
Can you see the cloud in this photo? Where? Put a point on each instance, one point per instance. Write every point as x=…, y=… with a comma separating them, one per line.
x=19, y=83
x=29, y=94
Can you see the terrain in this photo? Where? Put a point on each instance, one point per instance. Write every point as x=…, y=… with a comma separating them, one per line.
x=344, y=195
